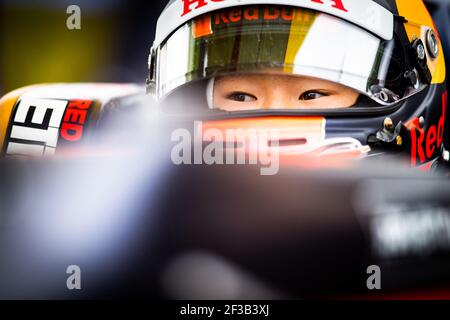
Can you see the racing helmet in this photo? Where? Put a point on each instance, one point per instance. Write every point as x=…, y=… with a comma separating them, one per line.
x=387, y=51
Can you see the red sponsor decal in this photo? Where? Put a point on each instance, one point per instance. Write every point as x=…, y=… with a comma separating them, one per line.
x=261, y=13
x=190, y=5
x=425, y=142
x=336, y=4
x=74, y=120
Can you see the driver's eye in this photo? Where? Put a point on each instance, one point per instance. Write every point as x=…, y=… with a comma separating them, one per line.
x=242, y=97
x=311, y=95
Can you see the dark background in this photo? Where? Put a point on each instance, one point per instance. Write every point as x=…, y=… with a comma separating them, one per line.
x=112, y=45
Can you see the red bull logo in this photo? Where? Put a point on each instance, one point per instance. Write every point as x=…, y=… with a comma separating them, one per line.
x=260, y=14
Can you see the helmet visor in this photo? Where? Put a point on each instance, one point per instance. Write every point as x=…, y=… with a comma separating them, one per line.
x=293, y=40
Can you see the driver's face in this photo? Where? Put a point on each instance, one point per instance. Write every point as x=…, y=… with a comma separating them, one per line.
x=275, y=91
